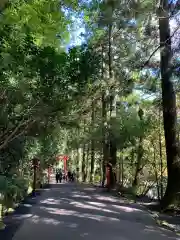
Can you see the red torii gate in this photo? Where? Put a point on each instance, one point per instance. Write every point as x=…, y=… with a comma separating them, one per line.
x=63, y=158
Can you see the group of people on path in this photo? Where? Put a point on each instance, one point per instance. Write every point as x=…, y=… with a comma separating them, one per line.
x=62, y=176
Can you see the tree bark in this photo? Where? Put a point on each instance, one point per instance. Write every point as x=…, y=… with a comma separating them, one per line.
x=156, y=171
x=104, y=138
x=138, y=165
x=104, y=121
x=169, y=108
x=83, y=170
x=140, y=152
x=160, y=154
x=112, y=141
x=87, y=172
x=122, y=171
x=92, y=145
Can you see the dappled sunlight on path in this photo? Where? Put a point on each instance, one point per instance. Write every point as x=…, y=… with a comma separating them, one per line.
x=72, y=211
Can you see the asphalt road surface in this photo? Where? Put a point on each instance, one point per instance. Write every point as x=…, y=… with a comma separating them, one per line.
x=70, y=211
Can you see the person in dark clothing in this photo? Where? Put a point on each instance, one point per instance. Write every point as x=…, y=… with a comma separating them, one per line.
x=64, y=176
x=69, y=176
x=57, y=177
x=60, y=176
x=72, y=177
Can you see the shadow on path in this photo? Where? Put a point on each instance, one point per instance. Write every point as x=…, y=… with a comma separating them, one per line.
x=73, y=211
x=14, y=220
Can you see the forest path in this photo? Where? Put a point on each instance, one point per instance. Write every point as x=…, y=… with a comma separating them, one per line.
x=77, y=211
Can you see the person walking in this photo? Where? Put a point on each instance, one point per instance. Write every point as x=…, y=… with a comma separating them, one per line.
x=72, y=176
x=57, y=176
x=69, y=176
x=60, y=176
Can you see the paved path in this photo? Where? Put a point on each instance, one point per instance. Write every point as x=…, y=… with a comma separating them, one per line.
x=75, y=212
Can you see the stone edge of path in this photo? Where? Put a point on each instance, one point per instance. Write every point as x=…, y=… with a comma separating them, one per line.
x=160, y=222
x=163, y=223
x=155, y=215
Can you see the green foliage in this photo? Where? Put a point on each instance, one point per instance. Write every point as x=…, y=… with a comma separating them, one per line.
x=39, y=84
x=43, y=19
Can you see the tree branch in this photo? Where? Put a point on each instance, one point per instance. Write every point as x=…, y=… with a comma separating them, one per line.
x=160, y=46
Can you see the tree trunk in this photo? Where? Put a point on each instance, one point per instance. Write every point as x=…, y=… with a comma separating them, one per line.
x=34, y=180
x=122, y=171
x=104, y=138
x=83, y=170
x=104, y=122
x=87, y=172
x=112, y=141
x=156, y=171
x=140, y=152
x=92, y=146
x=77, y=157
x=139, y=167
x=160, y=154
x=169, y=108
